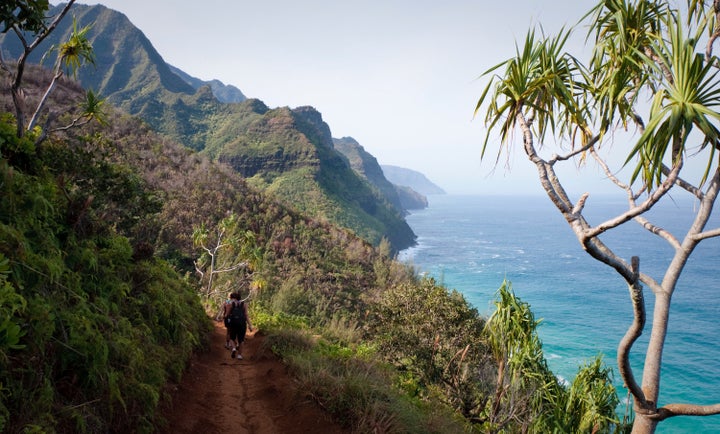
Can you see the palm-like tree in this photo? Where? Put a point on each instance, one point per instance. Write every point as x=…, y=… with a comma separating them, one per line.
x=71, y=55
x=643, y=49
x=524, y=384
x=26, y=19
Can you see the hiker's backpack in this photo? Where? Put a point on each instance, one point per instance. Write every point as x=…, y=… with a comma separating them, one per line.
x=237, y=313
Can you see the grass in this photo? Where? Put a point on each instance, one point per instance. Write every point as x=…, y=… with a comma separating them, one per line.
x=355, y=388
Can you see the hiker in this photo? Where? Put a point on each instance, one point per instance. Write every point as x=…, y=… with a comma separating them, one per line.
x=238, y=320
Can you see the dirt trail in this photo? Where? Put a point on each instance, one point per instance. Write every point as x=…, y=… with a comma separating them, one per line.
x=255, y=395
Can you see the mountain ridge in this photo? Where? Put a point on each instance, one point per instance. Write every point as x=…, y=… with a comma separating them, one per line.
x=404, y=198
x=367, y=166
x=223, y=92
x=296, y=150
x=411, y=178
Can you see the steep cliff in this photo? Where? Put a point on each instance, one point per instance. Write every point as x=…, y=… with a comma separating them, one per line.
x=290, y=153
x=411, y=178
x=367, y=166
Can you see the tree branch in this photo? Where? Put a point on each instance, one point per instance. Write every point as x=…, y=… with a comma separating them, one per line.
x=663, y=66
x=684, y=184
x=715, y=34
x=234, y=267
x=635, y=211
x=199, y=270
x=547, y=176
x=77, y=122
x=611, y=176
x=588, y=147
x=21, y=37
x=707, y=201
x=707, y=234
x=672, y=410
x=657, y=230
x=588, y=236
x=633, y=333
x=41, y=104
x=632, y=198
x=49, y=29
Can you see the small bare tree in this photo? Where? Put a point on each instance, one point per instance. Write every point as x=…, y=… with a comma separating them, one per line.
x=644, y=50
x=220, y=250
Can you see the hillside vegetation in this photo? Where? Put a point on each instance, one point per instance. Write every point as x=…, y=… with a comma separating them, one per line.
x=287, y=152
x=92, y=325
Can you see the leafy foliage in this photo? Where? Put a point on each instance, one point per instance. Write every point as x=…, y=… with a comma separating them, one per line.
x=592, y=401
x=528, y=397
x=28, y=15
x=436, y=337
x=89, y=333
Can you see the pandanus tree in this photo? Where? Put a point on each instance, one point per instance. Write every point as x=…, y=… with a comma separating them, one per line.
x=26, y=19
x=652, y=75
x=527, y=396
x=522, y=373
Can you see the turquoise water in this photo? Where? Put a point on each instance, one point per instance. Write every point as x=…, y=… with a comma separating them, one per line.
x=472, y=243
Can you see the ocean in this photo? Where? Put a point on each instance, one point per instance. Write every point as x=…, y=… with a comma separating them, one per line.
x=473, y=243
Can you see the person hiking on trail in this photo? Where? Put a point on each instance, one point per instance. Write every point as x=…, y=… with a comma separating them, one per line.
x=238, y=319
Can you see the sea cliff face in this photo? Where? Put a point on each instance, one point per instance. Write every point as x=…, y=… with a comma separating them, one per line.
x=411, y=199
x=411, y=178
x=366, y=165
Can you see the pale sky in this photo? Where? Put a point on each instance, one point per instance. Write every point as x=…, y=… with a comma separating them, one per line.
x=399, y=76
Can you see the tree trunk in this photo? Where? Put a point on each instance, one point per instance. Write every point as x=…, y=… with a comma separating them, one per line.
x=644, y=424
x=499, y=387
x=646, y=418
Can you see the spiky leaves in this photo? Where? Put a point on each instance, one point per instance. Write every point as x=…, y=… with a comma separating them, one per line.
x=541, y=84
x=72, y=54
x=76, y=51
x=641, y=49
x=688, y=100
x=623, y=32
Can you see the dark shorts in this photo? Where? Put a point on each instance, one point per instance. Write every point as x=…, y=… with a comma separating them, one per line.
x=237, y=332
x=227, y=323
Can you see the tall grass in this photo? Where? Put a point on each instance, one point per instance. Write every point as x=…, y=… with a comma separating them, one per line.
x=357, y=388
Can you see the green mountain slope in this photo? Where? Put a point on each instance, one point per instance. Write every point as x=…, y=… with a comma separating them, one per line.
x=289, y=152
x=126, y=64
x=367, y=166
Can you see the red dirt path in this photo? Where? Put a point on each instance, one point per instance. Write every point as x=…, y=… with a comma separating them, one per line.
x=255, y=395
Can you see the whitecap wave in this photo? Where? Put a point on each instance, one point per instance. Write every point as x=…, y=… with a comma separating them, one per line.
x=562, y=380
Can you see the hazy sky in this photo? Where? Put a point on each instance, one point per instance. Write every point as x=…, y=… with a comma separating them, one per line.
x=399, y=76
